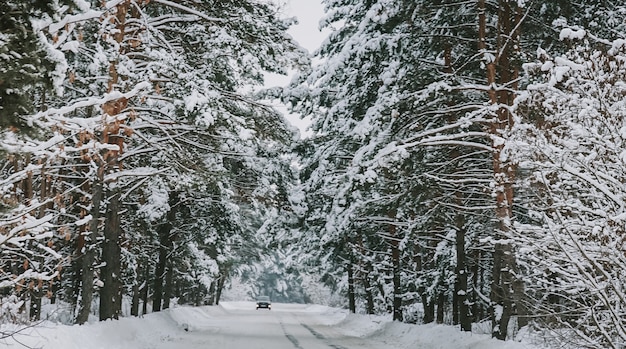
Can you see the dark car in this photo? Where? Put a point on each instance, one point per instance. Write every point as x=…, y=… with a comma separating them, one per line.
x=263, y=302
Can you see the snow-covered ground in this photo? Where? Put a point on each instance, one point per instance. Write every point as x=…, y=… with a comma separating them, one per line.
x=195, y=327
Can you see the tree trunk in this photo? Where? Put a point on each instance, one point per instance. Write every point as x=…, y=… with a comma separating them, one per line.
x=134, y=305
x=455, y=304
x=220, y=285
x=166, y=245
x=441, y=306
x=397, y=293
x=369, y=296
x=87, y=281
x=428, y=305
x=167, y=292
x=159, y=272
x=461, y=287
x=144, y=291
x=211, y=296
x=482, y=47
x=34, y=293
x=198, y=296
x=429, y=308
x=395, y=258
x=27, y=183
x=502, y=308
x=501, y=72
x=35, y=303
x=460, y=309
x=138, y=288
x=368, y=269
x=88, y=253
x=351, y=295
x=54, y=286
x=179, y=293
x=111, y=291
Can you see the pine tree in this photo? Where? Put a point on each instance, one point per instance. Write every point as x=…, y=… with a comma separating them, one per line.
x=28, y=68
x=142, y=100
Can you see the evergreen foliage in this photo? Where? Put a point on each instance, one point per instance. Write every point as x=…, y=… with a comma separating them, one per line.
x=161, y=164
x=414, y=146
x=27, y=65
x=465, y=165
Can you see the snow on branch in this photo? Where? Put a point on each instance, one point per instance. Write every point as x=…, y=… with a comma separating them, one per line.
x=162, y=20
x=39, y=229
x=606, y=191
x=138, y=172
x=28, y=274
x=20, y=147
x=92, y=101
x=69, y=19
x=189, y=10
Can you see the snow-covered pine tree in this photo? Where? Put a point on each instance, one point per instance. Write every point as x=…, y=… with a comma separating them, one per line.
x=440, y=125
x=143, y=99
x=237, y=143
x=351, y=94
x=384, y=87
x=33, y=71
x=424, y=108
x=28, y=66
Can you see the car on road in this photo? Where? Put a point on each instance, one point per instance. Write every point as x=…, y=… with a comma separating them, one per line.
x=263, y=302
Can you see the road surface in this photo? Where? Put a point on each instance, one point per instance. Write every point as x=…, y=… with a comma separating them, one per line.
x=283, y=327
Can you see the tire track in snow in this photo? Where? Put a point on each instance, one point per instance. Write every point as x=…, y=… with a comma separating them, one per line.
x=291, y=338
x=321, y=337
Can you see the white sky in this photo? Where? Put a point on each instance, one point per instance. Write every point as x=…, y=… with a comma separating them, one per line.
x=309, y=13
x=307, y=33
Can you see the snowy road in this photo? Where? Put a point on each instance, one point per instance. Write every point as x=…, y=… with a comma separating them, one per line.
x=237, y=325
x=284, y=327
